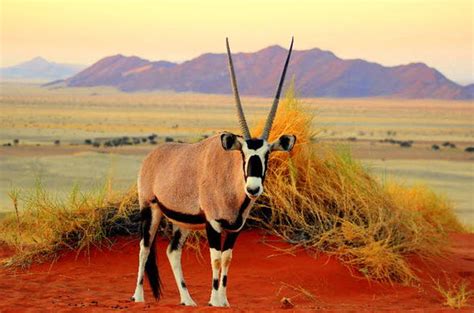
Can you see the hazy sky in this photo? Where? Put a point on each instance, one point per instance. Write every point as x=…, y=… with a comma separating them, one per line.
x=437, y=32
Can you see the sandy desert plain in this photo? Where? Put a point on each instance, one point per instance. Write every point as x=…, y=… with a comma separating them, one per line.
x=47, y=136
x=39, y=116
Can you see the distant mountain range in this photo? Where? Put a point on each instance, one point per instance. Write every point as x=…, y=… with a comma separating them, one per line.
x=39, y=68
x=318, y=73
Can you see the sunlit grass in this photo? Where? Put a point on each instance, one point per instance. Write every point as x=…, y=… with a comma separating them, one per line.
x=48, y=224
x=455, y=294
x=316, y=197
x=322, y=198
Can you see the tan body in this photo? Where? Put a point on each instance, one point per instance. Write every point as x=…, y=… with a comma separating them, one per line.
x=211, y=184
x=199, y=178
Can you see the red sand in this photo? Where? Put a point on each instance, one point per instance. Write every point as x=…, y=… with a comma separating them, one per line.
x=258, y=279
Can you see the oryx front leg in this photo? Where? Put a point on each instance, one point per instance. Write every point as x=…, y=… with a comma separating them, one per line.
x=150, y=219
x=213, y=231
x=226, y=259
x=174, y=256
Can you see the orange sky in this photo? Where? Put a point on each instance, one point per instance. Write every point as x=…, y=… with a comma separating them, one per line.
x=437, y=32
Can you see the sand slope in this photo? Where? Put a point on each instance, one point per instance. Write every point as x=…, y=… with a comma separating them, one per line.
x=259, y=278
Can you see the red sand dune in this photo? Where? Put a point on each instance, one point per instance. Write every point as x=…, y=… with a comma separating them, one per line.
x=259, y=278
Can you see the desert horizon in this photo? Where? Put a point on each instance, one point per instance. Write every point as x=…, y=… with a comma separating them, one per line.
x=248, y=156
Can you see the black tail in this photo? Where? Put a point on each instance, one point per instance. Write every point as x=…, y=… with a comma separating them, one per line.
x=152, y=272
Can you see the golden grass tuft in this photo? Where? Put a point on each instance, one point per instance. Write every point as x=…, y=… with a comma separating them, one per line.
x=321, y=198
x=455, y=294
x=47, y=224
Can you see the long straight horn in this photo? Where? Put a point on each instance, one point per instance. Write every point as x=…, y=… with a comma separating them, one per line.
x=240, y=112
x=271, y=115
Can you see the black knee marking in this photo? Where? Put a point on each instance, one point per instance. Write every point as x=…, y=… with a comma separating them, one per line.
x=175, y=241
x=141, y=281
x=215, y=284
x=230, y=241
x=213, y=237
x=224, y=281
x=183, y=284
x=145, y=215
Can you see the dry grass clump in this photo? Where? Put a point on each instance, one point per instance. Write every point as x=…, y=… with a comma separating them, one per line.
x=47, y=224
x=320, y=198
x=316, y=197
x=436, y=209
x=455, y=294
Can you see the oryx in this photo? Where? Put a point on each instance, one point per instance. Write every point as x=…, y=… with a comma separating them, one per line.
x=211, y=184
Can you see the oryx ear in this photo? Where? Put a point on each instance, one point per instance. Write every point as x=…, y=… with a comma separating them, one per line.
x=284, y=143
x=230, y=141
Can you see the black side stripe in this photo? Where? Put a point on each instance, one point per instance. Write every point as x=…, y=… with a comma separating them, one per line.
x=239, y=221
x=185, y=218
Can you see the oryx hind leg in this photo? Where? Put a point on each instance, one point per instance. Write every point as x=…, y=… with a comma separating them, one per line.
x=173, y=252
x=150, y=220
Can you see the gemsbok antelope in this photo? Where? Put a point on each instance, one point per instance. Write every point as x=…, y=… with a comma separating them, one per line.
x=211, y=184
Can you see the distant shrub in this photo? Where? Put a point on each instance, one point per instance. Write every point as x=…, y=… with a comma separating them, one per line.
x=435, y=147
x=169, y=139
x=16, y=141
x=88, y=142
x=126, y=141
x=57, y=142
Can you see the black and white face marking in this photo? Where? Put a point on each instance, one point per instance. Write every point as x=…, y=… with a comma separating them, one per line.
x=255, y=153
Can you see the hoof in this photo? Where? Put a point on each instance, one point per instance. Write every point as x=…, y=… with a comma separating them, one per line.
x=135, y=299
